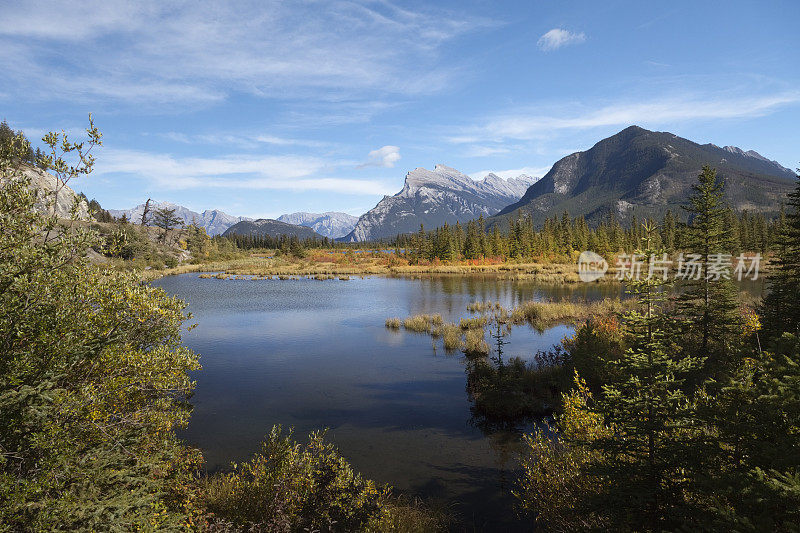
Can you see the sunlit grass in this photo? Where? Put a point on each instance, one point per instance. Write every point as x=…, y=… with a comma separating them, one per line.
x=393, y=323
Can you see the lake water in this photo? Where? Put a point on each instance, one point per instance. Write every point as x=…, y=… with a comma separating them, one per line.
x=315, y=354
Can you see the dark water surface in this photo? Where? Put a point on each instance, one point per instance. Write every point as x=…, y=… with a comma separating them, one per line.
x=315, y=354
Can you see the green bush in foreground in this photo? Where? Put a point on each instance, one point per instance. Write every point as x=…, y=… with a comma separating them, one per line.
x=93, y=380
x=288, y=486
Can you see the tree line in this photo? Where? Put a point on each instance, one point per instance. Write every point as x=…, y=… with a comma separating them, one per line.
x=560, y=236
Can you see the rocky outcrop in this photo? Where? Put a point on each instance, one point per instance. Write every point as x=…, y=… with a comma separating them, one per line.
x=44, y=186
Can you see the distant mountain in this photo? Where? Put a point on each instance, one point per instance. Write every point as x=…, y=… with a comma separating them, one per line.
x=433, y=198
x=645, y=173
x=272, y=228
x=330, y=224
x=214, y=221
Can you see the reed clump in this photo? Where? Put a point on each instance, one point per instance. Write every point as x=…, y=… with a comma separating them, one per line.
x=477, y=322
x=544, y=314
x=474, y=343
x=451, y=337
x=423, y=323
x=393, y=323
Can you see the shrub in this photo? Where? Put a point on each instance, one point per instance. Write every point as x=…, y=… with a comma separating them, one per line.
x=552, y=487
x=596, y=343
x=292, y=487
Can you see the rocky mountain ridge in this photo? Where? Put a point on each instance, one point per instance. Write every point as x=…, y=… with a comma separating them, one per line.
x=329, y=224
x=214, y=221
x=646, y=173
x=435, y=197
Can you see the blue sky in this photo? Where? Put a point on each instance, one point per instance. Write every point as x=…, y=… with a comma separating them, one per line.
x=262, y=108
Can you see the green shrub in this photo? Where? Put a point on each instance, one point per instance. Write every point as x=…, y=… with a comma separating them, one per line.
x=292, y=487
x=596, y=343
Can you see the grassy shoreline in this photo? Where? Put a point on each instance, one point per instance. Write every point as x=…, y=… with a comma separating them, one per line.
x=261, y=266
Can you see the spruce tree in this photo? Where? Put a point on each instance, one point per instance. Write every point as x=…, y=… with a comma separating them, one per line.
x=646, y=408
x=781, y=309
x=709, y=304
x=751, y=480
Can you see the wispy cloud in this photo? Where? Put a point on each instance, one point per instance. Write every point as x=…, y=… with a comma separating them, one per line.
x=199, y=52
x=558, y=37
x=241, y=140
x=385, y=156
x=527, y=124
x=166, y=172
x=485, y=151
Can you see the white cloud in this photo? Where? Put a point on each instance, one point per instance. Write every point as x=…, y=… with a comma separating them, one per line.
x=557, y=37
x=296, y=173
x=385, y=156
x=485, y=151
x=236, y=139
x=525, y=124
x=191, y=53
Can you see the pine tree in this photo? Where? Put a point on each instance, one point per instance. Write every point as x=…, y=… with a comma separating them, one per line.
x=166, y=219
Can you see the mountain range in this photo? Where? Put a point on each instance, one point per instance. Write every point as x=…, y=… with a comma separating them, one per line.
x=634, y=172
x=330, y=224
x=214, y=221
x=435, y=197
x=645, y=173
x=272, y=228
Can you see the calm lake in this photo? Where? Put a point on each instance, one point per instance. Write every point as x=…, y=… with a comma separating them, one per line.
x=315, y=354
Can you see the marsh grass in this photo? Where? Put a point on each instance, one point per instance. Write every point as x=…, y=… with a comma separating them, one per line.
x=475, y=343
x=452, y=337
x=335, y=262
x=541, y=315
x=477, y=322
x=393, y=323
x=423, y=323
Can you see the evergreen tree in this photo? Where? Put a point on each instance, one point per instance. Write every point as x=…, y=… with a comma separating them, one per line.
x=669, y=232
x=781, y=308
x=643, y=456
x=751, y=478
x=709, y=304
x=166, y=219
